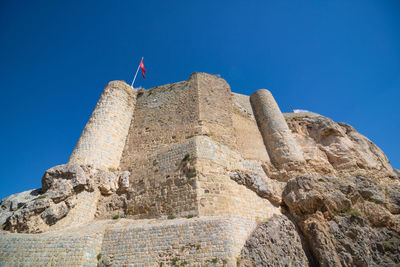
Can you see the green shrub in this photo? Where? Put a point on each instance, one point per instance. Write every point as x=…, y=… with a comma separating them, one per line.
x=171, y=217
x=99, y=256
x=371, y=200
x=41, y=197
x=352, y=213
x=215, y=260
x=189, y=216
x=189, y=136
x=175, y=260
x=115, y=217
x=387, y=245
x=187, y=157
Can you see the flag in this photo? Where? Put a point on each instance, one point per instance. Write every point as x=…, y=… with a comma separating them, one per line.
x=143, y=69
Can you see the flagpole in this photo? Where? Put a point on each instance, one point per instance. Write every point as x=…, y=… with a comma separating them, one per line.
x=136, y=73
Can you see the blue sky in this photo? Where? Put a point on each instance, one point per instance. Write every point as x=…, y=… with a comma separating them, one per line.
x=337, y=58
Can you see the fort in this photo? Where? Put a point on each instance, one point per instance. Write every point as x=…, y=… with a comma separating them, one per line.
x=189, y=174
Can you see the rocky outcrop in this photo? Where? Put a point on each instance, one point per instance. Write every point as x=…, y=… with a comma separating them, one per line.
x=36, y=211
x=397, y=172
x=345, y=201
x=347, y=222
x=337, y=149
x=275, y=243
x=13, y=203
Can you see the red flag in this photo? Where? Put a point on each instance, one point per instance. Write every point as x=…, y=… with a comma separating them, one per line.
x=143, y=69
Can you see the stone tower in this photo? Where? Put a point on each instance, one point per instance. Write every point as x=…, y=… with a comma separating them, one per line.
x=278, y=139
x=105, y=133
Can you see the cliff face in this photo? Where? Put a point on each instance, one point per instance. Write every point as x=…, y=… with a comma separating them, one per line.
x=200, y=175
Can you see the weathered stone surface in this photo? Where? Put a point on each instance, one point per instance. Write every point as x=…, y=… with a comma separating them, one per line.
x=337, y=148
x=12, y=203
x=60, y=190
x=397, y=171
x=103, y=139
x=124, y=181
x=346, y=221
x=278, y=139
x=54, y=213
x=108, y=182
x=263, y=186
x=275, y=242
x=72, y=172
x=392, y=193
x=66, y=188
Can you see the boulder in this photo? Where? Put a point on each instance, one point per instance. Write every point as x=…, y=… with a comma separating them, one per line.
x=263, y=186
x=108, y=182
x=275, y=242
x=72, y=172
x=54, y=213
x=124, y=181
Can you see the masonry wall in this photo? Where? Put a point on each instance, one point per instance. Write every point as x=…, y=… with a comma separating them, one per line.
x=207, y=241
x=218, y=194
x=165, y=120
x=215, y=108
x=214, y=241
x=249, y=140
x=103, y=138
x=72, y=247
x=192, y=119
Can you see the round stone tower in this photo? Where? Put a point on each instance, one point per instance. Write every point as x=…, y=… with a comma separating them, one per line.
x=103, y=139
x=279, y=142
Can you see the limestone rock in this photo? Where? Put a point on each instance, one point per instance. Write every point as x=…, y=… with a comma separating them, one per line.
x=14, y=202
x=263, y=186
x=397, y=171
x=25, y=219
x=392, y=193
x=275, y=243
x=124, y=181
x=347, y=222
x=54, y=213
x=108, y=182
x=72, y=172
x=62, y=189
x=337, y=148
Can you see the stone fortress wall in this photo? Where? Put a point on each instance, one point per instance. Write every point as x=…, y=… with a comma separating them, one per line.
x=191, y=118
x=159, y=138
x=193, y=242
